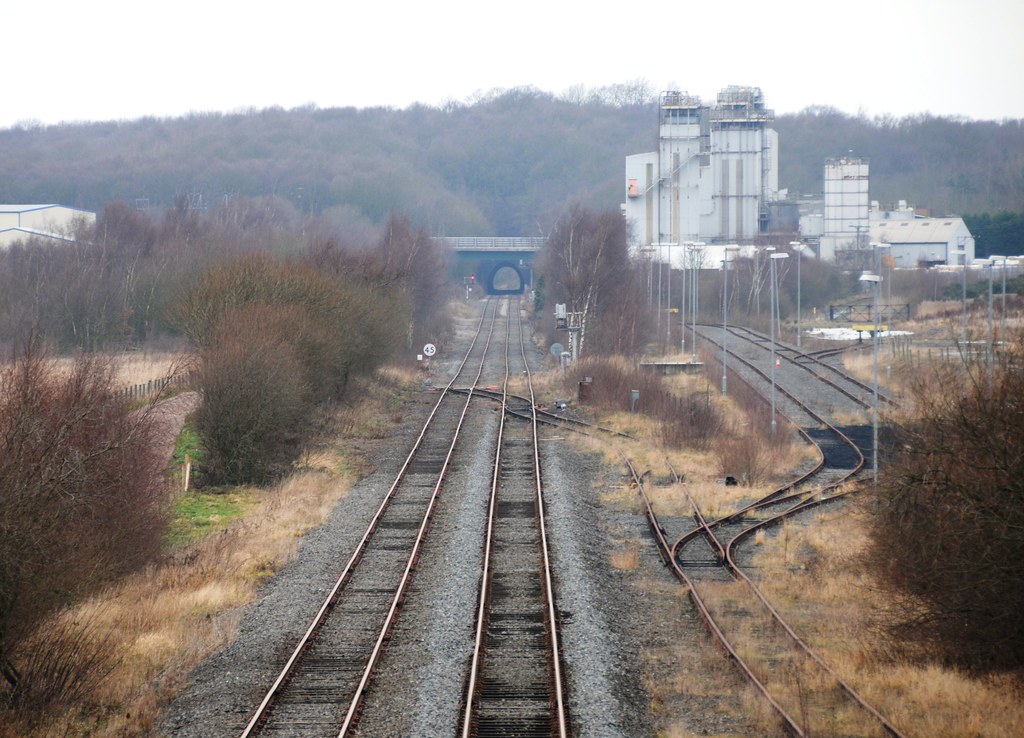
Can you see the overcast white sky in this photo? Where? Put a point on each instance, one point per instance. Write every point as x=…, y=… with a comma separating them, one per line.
x=69, y=60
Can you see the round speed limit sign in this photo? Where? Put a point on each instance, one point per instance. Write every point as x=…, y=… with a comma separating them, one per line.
x=429, y=350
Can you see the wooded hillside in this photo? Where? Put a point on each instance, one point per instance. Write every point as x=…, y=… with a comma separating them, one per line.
x=507, y=164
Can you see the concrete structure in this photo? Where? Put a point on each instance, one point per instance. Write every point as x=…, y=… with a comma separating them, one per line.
x=844, y=239
x=710, y=180
x=484, y=257
x=49, y=221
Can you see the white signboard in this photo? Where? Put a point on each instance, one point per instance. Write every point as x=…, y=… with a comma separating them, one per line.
x=429, y=350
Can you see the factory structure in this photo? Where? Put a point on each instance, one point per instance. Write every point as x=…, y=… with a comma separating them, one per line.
x=855, y=232
x=714, y=181
x=710, y=180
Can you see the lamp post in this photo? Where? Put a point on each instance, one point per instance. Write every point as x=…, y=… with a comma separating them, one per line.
x=797, y=249
x=698, y=248
x=725, y=317
x=769, y=250
x=1002, y=314
x=687, y=249
x=991, y=349
x=771, y=320
x=657, y=319
x=668, y=299
x=992, y=259
x=873, y=280
x=879, y=247
x=963, y=280
x=668, y=302
x=682, y=306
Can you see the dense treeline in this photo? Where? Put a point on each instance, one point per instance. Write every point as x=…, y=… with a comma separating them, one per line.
x=999, y=233
x=948, y=165
x=114, y=286
x=506, y=164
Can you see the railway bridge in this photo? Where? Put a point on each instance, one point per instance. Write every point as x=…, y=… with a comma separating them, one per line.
x=501, y=266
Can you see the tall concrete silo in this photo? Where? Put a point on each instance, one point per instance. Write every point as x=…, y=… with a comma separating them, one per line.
x=846, y=208
x=740, y=161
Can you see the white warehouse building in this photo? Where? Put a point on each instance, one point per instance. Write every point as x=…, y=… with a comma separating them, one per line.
x=715, y=169
x=47, y=221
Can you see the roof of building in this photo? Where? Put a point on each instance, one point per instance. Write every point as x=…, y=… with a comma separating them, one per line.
x=21, y=208
x=918, y=230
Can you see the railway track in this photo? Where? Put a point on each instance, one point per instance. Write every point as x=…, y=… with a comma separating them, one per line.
x=321, y=687
x=812, y=363
x=516, y=683
x=808, y=697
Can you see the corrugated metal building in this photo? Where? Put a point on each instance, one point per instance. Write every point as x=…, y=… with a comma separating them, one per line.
x=48, y=221
x=923, y=242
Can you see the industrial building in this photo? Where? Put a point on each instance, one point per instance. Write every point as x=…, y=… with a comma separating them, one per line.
x=715, y=170
x=845, y=215
x=856, y=233
x=49, y=221
x=911, y=241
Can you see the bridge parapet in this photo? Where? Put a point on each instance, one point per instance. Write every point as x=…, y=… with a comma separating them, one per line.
x=495, y=243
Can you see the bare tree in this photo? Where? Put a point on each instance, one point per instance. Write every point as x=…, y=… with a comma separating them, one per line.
x=587, y=264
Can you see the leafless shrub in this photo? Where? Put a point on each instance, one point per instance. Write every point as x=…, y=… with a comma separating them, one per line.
x=948, y=533
x=278, y=339
x=255, y=397
x=81, y=483
x=694, y=420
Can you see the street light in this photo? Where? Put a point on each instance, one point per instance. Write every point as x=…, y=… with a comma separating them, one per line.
x=687, y=249
x=668, y=302
x=963, y=280
x=873, y=280
x=797, y=249
x=878, y=250
x=771, y=320
x=668, y=299
x=991, y=342
x=992, y=259
x=725, y=315
x=698, y=247
x=1002, y=314
x=657, y=320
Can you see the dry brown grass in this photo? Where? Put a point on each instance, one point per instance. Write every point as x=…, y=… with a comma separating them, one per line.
x=809, y=573
x=625, y=558
x=139, y=367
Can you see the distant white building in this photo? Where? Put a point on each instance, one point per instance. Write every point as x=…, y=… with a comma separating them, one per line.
x=856, y=233
x=921, y=242
x=710, y=180
x=844, y=236
x=49, y=221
